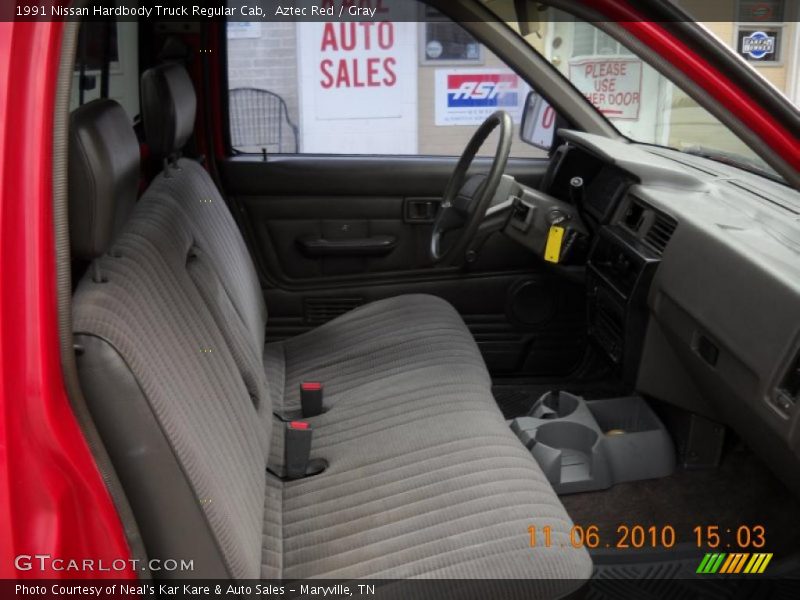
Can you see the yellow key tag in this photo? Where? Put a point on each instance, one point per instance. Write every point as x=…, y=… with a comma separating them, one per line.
x=552, y=251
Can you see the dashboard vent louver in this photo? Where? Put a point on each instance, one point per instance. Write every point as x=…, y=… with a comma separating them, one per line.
x=660, y=232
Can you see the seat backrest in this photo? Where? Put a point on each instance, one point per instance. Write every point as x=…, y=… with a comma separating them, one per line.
x=187, y=432
x=221, y=260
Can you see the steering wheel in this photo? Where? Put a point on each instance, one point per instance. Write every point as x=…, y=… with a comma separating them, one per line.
x=465, y=201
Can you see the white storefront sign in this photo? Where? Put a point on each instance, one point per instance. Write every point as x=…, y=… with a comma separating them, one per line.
x=468, y=96
x=358, y=87
x=613, y=85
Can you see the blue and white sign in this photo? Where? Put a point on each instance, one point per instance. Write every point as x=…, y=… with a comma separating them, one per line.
x=468, y=96
x=758, y=45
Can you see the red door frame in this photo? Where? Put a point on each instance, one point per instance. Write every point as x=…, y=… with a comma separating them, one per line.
x=52, y=497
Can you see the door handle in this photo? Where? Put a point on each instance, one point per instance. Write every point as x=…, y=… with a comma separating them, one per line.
x=377, y=245
x=421, y=210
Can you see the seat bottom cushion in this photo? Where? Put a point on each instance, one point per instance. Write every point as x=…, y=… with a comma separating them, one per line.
x=399, y=339
x=451, y=496
x=425, y=478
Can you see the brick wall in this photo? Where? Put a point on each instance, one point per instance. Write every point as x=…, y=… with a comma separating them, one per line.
x=268, y=62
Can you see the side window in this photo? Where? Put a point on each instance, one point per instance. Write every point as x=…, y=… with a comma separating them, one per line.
x=107, y=65
x=638, y=100
x=380, y=87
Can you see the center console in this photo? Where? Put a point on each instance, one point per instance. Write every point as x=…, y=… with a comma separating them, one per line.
x=590, y=445
x=630, y=236
x=620, y=268
x=583, y=446
x=619, y=273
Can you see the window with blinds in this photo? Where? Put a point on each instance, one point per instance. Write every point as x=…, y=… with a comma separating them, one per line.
x=587, y=40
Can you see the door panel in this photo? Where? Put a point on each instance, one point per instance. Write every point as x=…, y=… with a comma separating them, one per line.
x=282, y=220
x=524, y=323
x=290, y=199
x=332, y=232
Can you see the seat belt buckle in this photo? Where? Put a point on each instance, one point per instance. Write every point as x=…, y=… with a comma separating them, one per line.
x=311, y=398
x=297, y=449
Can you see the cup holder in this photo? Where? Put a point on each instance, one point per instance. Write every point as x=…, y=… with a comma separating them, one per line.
x=565, y=451
x=583, y=446
x=555, y=405
x=567, y=435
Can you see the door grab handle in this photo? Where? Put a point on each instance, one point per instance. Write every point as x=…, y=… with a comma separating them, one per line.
x=377, y=245
x=421, y=210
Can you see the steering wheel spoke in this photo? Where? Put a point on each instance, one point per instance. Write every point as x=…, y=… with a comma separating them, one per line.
x=466, y=200
x=451, y=218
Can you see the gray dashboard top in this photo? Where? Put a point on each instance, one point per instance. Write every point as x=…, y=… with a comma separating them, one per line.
x=654, y=169
x=762, y=202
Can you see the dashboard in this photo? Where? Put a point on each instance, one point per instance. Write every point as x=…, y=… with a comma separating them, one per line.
x=693, y=283
x=604, y=182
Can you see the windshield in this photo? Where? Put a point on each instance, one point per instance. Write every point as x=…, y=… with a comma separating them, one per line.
x=642, y=104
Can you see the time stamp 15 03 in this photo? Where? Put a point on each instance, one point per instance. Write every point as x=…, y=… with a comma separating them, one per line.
x=625, y=536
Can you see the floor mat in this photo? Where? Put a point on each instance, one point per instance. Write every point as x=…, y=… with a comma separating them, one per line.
x=740, y=492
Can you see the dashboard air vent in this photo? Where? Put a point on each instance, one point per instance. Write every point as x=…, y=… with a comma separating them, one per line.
x=660, y=232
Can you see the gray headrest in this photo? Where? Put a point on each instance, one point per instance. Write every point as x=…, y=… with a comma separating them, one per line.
x=103, y=175
x=168, y=108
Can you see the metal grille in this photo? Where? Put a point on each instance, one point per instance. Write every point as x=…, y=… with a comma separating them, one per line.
x=259, y=120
